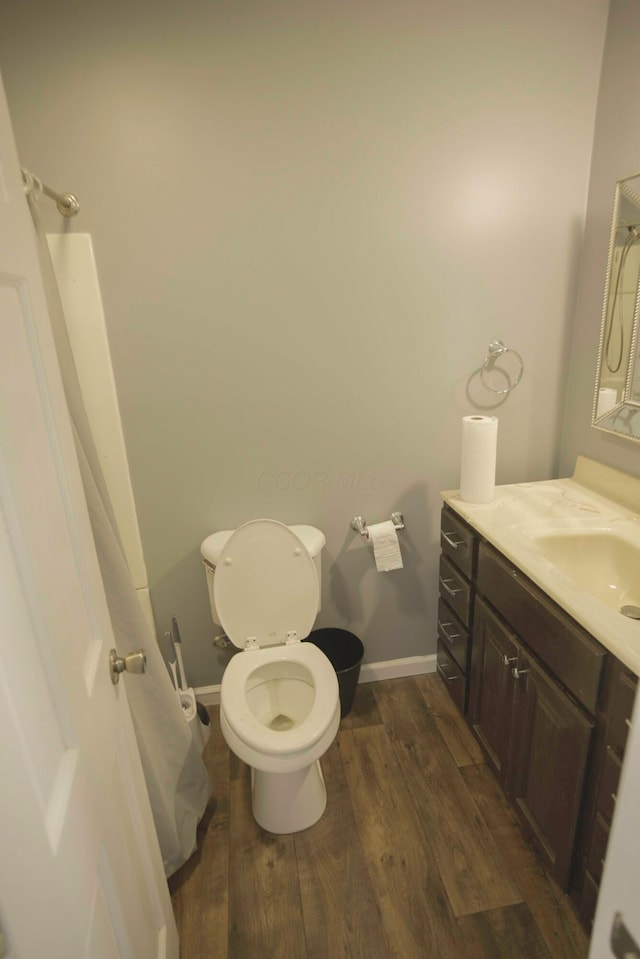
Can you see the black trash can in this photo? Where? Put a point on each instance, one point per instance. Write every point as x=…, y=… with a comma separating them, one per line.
x=344, y=651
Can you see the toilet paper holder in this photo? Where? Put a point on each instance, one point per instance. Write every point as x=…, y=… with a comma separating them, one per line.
x=359, y=524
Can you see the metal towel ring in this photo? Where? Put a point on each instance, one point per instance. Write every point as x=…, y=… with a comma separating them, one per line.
x=496, y=349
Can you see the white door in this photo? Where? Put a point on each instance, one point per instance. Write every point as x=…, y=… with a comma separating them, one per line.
x=616, y=931
x=80, y=868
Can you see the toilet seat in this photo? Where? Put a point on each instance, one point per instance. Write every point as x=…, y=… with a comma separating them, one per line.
x=266, y=586
x=266, y=593
x=249, y=729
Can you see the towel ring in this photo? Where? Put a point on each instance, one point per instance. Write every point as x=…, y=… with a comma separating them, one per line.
x=496, y=349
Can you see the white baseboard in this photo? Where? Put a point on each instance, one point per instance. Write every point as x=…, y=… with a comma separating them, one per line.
x=208, y=695
x=396, y=668
x=369, y=673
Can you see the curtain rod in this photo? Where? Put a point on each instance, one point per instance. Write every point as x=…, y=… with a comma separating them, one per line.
x=67, y=203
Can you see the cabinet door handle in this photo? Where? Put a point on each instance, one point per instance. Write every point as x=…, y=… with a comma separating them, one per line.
x=451, y=542
x=452, y=592
x=448, y=636
x=628, y=723
x=517, y=673
x=506, y=661
x=447, y=679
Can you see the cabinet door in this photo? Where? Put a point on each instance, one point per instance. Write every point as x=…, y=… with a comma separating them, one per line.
x=548, y=761
x=494, y=652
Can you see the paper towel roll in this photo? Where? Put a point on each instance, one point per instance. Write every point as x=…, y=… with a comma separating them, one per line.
x=386, y=547
x=478, y=466
x=607, y=399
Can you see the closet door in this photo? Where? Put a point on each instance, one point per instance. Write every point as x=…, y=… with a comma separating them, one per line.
x=80, y=867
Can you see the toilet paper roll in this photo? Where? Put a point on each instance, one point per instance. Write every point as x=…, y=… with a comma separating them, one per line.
x=607, y=399
x=478, y=465
x=386, y=547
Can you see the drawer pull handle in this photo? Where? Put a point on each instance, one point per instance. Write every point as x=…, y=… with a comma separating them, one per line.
x=452, y=592
x=451, y=542
x=517, y=673
x=447, y=679
x=614, y=797
x=628, y=723
x=506, y=661
x=448, y=636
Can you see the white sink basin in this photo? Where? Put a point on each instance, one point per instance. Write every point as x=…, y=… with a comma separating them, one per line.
x=600, y=560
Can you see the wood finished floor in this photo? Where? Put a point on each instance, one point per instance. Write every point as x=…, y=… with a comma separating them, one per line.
x=418, y=855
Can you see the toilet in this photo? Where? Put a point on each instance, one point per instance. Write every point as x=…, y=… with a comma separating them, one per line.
x=279, y=699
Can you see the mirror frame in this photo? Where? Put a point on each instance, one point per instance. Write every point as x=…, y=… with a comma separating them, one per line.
x=611, y=420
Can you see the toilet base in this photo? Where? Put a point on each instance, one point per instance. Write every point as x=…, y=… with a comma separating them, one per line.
x=285, y=803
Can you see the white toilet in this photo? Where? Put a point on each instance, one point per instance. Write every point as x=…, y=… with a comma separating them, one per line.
x=279, y=701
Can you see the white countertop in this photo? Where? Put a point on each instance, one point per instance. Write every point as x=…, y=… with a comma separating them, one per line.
x=596, y=496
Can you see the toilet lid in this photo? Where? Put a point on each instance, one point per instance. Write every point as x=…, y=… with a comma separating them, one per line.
x=266, y=585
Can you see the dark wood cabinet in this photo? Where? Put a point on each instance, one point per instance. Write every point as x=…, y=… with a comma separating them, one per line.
x=534, y=737
x=495, y=651
x=548, y=761
x=547, y=703
x=455, y=606
x=613, y=718
x=565, y=648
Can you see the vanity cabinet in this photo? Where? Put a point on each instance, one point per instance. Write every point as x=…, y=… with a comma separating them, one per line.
x=548, y=704
x=456, y=606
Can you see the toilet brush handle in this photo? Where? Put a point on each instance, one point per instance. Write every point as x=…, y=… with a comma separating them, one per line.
x=183, y=678
x=168, y=654
x=177, y=646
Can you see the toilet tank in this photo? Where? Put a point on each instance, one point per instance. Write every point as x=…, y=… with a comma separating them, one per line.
x=314, y=539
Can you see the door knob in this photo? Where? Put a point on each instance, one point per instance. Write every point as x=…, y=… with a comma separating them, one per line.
x=131, y=663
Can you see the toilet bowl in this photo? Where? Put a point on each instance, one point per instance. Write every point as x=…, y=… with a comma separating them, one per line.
x=279, y=699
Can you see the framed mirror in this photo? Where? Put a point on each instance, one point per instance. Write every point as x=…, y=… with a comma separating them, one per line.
x=616, y=403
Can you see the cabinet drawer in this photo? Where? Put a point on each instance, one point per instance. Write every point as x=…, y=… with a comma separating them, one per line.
x=457, y=542
x=568, y=651
x=455, y=590
x=453, y=635
x=452, y=677
x=608, y=788
x=599, y=842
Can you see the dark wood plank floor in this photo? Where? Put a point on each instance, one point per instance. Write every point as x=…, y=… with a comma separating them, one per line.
x=418, y=855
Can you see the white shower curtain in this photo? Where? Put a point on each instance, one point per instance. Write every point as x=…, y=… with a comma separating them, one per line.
x=177, y=780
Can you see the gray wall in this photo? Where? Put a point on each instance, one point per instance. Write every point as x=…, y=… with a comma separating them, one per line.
x=616, y=153
x=310, y=220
